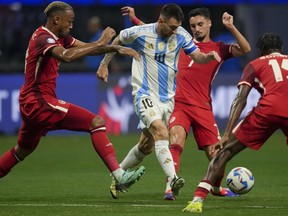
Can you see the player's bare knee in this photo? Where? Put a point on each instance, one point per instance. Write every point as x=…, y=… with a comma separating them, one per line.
x=176, y=139
x=160, y=133
x=97, y=121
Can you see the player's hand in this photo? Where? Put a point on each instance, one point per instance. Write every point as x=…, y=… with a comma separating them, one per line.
x=227, y=20
x=107, y=35
x=214, y=149
x=129, y=52
x=102, y=72
x=128, y=11
x=214, y=55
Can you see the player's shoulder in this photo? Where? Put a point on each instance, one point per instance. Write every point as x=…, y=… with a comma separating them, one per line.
x=182, y=31
x=41, y=33
x=137, y=31
x=146, y=28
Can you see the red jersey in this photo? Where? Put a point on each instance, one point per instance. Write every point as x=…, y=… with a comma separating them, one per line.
x=194, y=80
x=269, y=75
x=41, y=70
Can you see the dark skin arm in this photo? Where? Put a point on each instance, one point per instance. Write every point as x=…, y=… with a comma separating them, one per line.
x=81, y=49
x=236, y=109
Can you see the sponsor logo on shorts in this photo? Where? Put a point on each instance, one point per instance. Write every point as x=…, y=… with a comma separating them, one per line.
x=152, y=113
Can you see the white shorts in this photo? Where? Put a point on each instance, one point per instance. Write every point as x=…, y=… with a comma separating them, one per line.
x=149, y=109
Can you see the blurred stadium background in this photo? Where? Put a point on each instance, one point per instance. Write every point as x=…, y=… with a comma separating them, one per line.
x=18, y=20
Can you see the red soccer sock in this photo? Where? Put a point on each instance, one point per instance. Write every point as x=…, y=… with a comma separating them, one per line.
x=203, y=189
x=104, y=147
x=7, y=162
x=176, y=151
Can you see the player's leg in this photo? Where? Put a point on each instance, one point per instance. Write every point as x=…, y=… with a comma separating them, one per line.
x=177, y=140
x=134, y=157
x=217, y=189
x=27, y=142
x=253, y=131
x=163, y=154
x=206, y=134
x=79, y=119
x=214, y=173
x=138, y=152
x=179, y=126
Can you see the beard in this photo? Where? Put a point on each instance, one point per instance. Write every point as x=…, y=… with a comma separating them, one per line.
x=200, y=39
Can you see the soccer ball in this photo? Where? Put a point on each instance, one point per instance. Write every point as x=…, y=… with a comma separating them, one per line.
x=240, y=180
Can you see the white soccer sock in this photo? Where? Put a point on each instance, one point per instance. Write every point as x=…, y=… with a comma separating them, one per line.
x=117, y=174
x=133, y=158
x=165, y=159
x=197, y=199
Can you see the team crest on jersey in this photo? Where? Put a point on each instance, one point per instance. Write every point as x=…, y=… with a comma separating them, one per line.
x=161, y=46
x=150, y=46
x=50, y=40
x=125, y=34
x=172, y=119
x=171, y=46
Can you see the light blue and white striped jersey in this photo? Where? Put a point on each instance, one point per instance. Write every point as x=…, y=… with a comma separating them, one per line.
x=155, y=73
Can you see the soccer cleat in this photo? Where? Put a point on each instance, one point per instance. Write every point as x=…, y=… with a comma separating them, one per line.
x=225, y=192
x=176, y=185
x=195, y=207
x=169, y=196
x=113, y=191
x=129, y=178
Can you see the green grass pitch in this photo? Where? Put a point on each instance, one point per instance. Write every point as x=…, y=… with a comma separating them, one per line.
x=64, y=176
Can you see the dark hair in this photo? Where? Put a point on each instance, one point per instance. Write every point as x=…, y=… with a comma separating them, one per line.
x=172, y=10
x=203, y=11
x=56, y=6
x=268, y=43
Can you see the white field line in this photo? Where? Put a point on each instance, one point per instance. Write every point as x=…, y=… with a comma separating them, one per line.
x=133, y=205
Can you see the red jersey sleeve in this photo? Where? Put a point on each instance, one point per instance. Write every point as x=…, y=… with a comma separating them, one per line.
x=225, y=51
x=45, y=42
x=69, y=41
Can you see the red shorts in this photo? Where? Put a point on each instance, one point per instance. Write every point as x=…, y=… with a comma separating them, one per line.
x=254, y=130
x=202, y=121
x=50, y=114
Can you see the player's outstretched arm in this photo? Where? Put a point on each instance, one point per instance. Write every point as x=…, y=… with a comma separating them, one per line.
x=130, y=12
x=102, y=72
x=236, y=109
x=81, y=49
x=202, y=58
x=242, y=47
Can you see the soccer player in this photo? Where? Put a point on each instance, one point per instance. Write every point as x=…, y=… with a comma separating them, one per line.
x=267, y=74
x=153, y=82
x=193, y=104
x=42, y=111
